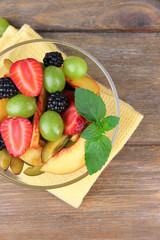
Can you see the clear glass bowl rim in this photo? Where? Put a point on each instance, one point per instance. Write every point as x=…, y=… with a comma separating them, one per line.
x=110, y=81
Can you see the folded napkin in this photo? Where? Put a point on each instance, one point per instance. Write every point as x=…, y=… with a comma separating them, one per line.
x=129, y=120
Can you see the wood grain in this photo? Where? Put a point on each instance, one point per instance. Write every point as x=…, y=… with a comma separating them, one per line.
x=89, y=15
x=122, y=204
x=133, y=62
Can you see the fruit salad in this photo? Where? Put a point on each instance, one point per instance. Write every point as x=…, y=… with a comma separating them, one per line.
x=52, y=117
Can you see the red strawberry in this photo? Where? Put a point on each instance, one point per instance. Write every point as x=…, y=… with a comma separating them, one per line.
x=27, y=75
x=16, y=133
x=69, y=94
x=73, y=122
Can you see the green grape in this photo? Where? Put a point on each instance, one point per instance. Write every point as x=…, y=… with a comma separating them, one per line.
x=3, y=26
x=54, y=79
x=74, y=67
x=51, y=125
x=21, y=106
x=42, y=65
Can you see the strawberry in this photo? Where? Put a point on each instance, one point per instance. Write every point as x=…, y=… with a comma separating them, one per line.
x=27, y=75
x=69, y=94
x=73, y=122
x=16, y=133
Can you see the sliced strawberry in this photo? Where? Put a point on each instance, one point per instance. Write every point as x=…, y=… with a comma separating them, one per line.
x=73, y=122
x=69, y=94
x=27, y=75
x=40, y=109
x=16, y=133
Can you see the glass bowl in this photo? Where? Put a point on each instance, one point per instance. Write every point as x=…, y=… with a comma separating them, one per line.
x=37, y=48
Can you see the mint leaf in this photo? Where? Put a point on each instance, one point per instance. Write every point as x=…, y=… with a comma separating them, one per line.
x=89, y=105
x=110, y=122
x=96, y=153
x=91, y=132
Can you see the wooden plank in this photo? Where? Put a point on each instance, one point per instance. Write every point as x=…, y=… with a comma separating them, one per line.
x=132, y=60
x=122, y=204
x=71, y=15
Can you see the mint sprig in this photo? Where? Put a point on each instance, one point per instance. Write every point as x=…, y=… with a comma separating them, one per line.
x=97, y=146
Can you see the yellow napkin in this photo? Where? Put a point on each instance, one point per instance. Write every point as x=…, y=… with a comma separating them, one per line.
x=130, y=119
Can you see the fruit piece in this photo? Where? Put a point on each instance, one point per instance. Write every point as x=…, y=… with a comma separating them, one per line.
x=75, y=137
x=3, y=26
x=16, y=165
x=85, y=82
x=28, y=164
x=27, y=74
x=16, y=133
x=74, y=67
x=69, y=94
x=53, y=58
x=7, y=63
x=54, y=79
x=69, y=144
x=5, y=159
x=68, y=160
x=72, y=140
x=52, y=148
x=51, y=126
x=21, y=106
x=3, y=112
x=7, y=88
x=33, y=171
x=40, y=109
x=73, y=122
x=33, y=156
x=57, y=102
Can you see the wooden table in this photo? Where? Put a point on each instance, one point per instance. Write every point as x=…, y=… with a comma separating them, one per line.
x=124, y=203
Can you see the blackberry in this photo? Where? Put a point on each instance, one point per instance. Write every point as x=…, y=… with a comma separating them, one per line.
x=53, y=58
x=57, y=102
x=7, y=88
x=2, y=145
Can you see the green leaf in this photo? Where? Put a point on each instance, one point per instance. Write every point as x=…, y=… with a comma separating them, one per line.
x=91, y=132
x=101, y=128
x=110, y=122
x=89, y=105
x=96, y=153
